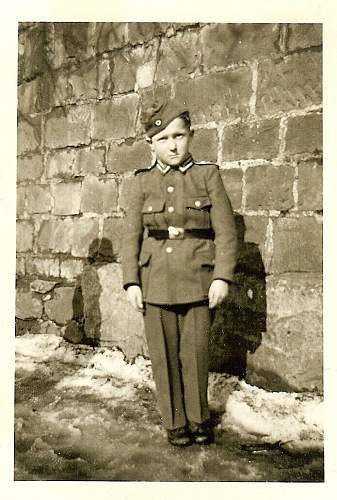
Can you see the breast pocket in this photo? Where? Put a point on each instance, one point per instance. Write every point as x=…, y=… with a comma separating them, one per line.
x=197, y=210
x=152, y=208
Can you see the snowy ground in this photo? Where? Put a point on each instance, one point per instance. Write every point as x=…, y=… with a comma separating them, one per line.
x=84, y=413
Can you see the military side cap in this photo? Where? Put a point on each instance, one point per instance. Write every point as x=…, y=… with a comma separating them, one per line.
x=159, y=114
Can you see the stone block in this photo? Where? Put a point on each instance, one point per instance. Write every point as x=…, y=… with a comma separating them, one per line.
x=111, y=36
x=55, y=236
x=205, y=145
x=115, y=119
x=20, y=200
x=38, y=199
x=297, y=245
x=82, y=81
x=126, y=188
x=109, y=318
x=90, y=161
x=294, y=82
x=62, y=164
x=232, y=180
x=269, y=187
x=128, y=156
x=42, y=286
x=178, y=56
x=217, y=97
x=67, y=198
x=43, y=266
x=34, y=56
x=70, y=269
x=290, y=355
x=142, y=32
x=104, y=77
x=134, y=68
x=310, y=186
x=68, y=127
x=71, y=41
x=113, y=231
x=29, y=135
x=29, y=168
x=20, y=268
x=85, y=232
x=99, y=196
x=24, y=236
x=60, y=307
x=27, y=306
x=244, y=141
x=304, y=134
x=28, y=96
x=224, y=44
x=304, y=35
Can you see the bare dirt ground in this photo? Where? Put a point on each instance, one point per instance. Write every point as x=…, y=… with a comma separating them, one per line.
x=82, y=413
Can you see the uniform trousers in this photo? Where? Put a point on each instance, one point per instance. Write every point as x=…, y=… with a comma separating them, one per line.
x=178, y=337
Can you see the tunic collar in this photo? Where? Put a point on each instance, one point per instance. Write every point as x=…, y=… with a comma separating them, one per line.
x=185, y=165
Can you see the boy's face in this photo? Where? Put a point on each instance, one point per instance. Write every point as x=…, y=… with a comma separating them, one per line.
x=171, y=145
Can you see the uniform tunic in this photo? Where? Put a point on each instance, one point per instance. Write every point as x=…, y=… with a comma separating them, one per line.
x=189, y=196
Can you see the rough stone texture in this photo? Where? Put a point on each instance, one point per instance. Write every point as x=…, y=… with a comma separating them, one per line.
x=48, y=267
x=294, y=326
x=20, y=266
x=125, y=192
x=41, y=286
x=60, y=307
x=103, y=77
x=111, y=36
x=297, y=245
x=291, y=83
x=85, y=232
x=71, y=42
x=133, y=68
x=269, y=187
x=205, y=145
x=179, y=56
x=251, y=140
x=70, y=269
x=90, y=161
x=73, y=333
x=28, y=96
x=55, y=236
x=34, y=55
x=29, y=167
x=68, y=127
x=142, y=32
x=232, y=179
x=83, y=81
x=218, y=96
x=24, y=236
x=67, y=198
x=115, y=119
x=38, y=199
x=29, y=134
x=99, y=196
x=128, y=156
x=20, y=200
x=225, y=44
x=62, y=164
x=27, y=306
x=302, y=36
x=109, y=318
x=304, y=134
x=310, y=186
x=113, y=231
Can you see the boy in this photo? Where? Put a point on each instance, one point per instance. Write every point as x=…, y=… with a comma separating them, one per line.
x=179, y=253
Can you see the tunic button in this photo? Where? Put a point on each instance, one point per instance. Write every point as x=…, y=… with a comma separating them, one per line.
x=197, y=203
x=150, y=208
x=169, y=250
x=170, y=209
x=170, y=189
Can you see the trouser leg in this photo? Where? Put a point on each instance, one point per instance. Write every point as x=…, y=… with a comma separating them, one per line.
x=194, y=327
x=162, y=335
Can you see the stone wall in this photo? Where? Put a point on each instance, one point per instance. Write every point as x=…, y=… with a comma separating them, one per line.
x=254, y=91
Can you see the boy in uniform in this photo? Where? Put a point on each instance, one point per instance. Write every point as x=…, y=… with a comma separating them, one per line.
x=178, y=257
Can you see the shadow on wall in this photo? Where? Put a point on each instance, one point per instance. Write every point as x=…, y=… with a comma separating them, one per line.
x=240, y=322
x=87, y=326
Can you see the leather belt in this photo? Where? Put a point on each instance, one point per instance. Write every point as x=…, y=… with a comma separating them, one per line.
x=179, y=233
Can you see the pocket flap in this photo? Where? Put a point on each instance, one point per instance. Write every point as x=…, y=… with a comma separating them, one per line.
x=144, y=257
x=153, y=206
x=198, y=202
x=206, y=259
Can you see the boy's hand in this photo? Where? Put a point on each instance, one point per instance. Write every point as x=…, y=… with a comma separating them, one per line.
x=135, y=297
x=218, y=291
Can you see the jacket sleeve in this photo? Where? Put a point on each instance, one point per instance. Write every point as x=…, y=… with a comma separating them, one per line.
x=222, y=218
x=132, y=233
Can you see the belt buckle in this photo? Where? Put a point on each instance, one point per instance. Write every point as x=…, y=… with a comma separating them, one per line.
x=175, y=233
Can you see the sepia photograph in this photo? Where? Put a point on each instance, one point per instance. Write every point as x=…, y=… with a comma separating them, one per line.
x=169, y=252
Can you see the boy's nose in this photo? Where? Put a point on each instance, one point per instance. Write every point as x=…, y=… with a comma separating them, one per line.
x=172, y=145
